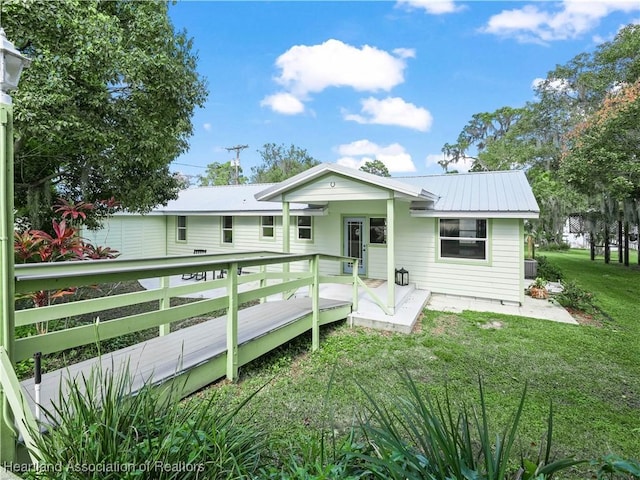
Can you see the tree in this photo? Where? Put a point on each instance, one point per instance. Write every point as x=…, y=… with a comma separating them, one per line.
x=477, y=136
x=280, y=163
x=603, y=153
x=221, y=174
x=105, y=106
x=376, y=167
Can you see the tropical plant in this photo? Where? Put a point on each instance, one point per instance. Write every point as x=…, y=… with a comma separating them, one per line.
x=613, y=467
x=63, y=244
x=422, y=438
x=98, y=430
x=575, y=297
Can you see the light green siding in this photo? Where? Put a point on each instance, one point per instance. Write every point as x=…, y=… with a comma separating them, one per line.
x=416, y=245
x=132, y=236
x=335, y=187
x=498, y=278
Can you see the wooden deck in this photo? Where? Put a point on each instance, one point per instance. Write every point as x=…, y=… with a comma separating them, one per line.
x=199, y=351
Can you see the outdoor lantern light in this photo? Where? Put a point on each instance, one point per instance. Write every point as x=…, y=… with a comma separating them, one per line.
x=11, y=64
x=402, y=277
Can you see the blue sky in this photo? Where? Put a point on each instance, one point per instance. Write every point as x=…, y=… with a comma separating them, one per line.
x=363, y=80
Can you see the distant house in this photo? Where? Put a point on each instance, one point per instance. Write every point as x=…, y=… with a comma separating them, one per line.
x=457, y=234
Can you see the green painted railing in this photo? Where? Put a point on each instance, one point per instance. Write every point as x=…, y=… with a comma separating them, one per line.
x=53, y=276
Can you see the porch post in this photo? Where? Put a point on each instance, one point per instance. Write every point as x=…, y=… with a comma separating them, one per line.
x=391, y=254
x=232, y=322
x=286, y=236
x=286, y=233
x=165, y=302
x=315, y=303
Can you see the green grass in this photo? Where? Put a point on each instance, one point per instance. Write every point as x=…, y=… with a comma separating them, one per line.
x=591, y=373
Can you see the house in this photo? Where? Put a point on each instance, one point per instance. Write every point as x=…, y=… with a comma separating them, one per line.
x=456, y=234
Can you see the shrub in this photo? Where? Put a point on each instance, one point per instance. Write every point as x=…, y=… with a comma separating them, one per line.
x=424, y=438
x=557, y=247
x=100, y=431
x=547, y=270
x=575, y=297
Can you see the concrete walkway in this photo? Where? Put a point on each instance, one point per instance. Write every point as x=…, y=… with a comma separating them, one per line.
x=532, y=307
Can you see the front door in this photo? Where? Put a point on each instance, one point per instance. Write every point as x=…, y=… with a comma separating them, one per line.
x=354, y=243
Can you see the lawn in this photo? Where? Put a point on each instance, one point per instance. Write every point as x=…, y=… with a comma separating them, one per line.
x=590, y=373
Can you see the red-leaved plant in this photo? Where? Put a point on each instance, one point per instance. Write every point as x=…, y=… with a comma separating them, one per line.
x=65, y=244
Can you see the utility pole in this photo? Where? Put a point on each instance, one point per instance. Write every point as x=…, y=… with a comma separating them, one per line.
x=236, y=162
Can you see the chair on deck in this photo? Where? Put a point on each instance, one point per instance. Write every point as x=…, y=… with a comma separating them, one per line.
x=197, y=275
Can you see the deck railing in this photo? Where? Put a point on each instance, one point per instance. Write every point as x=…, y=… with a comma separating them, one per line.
x=56, y=276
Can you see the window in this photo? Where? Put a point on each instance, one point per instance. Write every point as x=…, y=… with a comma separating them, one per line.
x=267, y=226
x=304, y=228
x=227, y=229
x=463, y=238
x=181, y=229
x=378, y=230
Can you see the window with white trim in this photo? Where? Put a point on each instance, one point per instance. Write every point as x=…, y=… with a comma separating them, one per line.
x=267, y=224
x=463, y=238
x=181, y=228
x=227, y=229
x=378, y=230
x=305, y=228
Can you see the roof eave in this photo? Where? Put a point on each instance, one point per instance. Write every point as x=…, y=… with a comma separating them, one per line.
x=473, y=214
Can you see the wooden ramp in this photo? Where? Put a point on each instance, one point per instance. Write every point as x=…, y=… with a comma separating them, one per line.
x=198, y=352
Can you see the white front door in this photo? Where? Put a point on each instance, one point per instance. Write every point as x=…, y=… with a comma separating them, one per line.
x=354, y=243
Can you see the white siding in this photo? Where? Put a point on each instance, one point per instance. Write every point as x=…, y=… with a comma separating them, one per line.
x=132, y=236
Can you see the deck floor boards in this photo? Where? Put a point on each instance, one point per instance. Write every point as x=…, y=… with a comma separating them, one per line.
x=163, y=357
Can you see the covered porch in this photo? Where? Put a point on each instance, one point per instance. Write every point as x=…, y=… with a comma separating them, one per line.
x=358, y=215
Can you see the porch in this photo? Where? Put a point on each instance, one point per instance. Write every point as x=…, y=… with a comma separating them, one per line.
x=367, y=299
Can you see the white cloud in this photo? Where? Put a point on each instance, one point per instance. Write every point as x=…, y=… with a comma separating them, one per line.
x=392, y=111
x=394, y=156
x=433, y=7
x=543, y=24
x=461, y=166
x=306, y=69
x=284, y=103
x=207, y=127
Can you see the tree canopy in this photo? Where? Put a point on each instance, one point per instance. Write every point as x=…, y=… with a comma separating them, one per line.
x=221, y=174
x=280, y=162
x=579, y=141
x=105, y=106
x=377, y=167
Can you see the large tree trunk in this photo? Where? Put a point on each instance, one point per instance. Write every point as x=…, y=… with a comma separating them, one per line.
x=619, y=241
x=607, y=249
x=592, y=245
x=626, y=244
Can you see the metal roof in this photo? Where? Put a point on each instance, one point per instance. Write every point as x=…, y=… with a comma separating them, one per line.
x=223, y=199
x=502, y=193
x=498, y=192
x=274, y=192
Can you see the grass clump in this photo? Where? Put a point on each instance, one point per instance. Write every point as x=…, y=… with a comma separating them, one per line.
x=425, y=438
x=98, y=430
